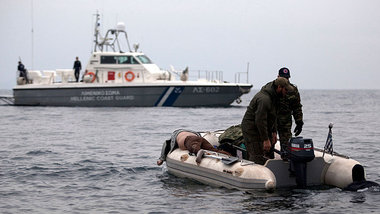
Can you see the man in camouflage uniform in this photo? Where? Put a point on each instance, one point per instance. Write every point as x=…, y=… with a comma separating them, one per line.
x=289, y=105
x=259, y=122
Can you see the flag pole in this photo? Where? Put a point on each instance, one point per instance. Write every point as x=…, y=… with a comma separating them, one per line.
x=329, y=135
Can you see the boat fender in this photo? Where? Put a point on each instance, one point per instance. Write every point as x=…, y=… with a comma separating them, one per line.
x=129, y=76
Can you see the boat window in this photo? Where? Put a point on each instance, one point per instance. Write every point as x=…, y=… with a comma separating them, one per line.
x=118, y=60
x=123, y=60
x=107, y=60
x=134, y=60
x=144, y=59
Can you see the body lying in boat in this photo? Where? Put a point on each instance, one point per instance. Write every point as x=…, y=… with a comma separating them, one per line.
x=186, y=140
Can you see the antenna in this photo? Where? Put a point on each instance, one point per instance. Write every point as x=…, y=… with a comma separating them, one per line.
x=32, y=34
x=96, y=30
x=247, y=70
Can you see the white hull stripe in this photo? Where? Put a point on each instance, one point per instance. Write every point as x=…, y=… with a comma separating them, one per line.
x=165, y=97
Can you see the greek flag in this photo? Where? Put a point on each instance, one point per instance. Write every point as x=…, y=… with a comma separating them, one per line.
x=329, y=143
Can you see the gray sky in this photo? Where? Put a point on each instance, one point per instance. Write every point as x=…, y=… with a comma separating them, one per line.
x=326, y=44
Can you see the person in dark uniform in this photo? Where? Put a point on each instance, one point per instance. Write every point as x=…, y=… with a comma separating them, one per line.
x=290, y=105
x=22, y=70
x=259, y=122
x=77, y=67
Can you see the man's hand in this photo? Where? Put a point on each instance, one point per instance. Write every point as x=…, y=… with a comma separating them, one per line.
x=298, y=128
x=266, y=145
x=160, y=162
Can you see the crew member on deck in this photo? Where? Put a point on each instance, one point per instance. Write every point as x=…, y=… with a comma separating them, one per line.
x=77, y=67
x=22, y=70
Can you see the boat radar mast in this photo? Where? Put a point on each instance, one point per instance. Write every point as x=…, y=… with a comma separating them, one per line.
x=111, y=38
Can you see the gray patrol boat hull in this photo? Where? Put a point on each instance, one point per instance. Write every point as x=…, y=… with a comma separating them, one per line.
x=130, y=96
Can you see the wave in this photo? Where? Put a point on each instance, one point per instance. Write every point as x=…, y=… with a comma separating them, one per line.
x=40, y=152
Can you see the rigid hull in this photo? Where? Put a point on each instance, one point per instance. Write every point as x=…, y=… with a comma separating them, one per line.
x=139, y=95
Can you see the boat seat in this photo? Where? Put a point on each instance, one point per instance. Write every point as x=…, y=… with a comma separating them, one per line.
x=66, y=75
x=49, y=73
x=48, y=77
x=35, y=76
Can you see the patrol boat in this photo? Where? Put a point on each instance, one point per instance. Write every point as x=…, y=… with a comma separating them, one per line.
x=117, y=78
x=235, y=173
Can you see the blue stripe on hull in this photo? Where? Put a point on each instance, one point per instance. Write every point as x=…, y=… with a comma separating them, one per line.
x=169, y=96
x=173, y=96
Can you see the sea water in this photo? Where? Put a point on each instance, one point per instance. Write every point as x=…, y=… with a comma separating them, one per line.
x=103, y=160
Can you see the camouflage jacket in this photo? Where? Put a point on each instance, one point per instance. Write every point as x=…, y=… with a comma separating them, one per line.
x=261, y=112
x=290, y=105
x=233, y=135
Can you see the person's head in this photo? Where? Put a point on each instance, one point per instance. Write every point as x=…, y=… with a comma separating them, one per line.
x=282, y=86
x=19, y=62
x=193, y=143
x=284, y=72
x=76, y=58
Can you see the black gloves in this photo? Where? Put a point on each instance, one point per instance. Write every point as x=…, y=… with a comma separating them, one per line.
x=298, y=128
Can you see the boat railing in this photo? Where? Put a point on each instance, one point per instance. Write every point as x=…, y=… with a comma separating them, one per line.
x=216, y=76
x=120, y=75
x=240, y=74
x=208, y=75
x=246, y=74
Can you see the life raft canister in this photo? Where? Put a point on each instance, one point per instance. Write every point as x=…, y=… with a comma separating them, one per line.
x=93, y=76
x=129, y=76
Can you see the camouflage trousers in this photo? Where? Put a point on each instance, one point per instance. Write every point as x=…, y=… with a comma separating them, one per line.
x=253, y=144
x=284, y=126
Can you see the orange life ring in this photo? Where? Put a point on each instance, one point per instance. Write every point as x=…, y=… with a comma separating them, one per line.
x=93, y=76
x=129, y=76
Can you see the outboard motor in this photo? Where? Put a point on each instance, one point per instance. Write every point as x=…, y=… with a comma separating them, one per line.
x=300, y=151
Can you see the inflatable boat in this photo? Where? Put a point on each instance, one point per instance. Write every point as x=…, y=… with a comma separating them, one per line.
x=236, y=173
